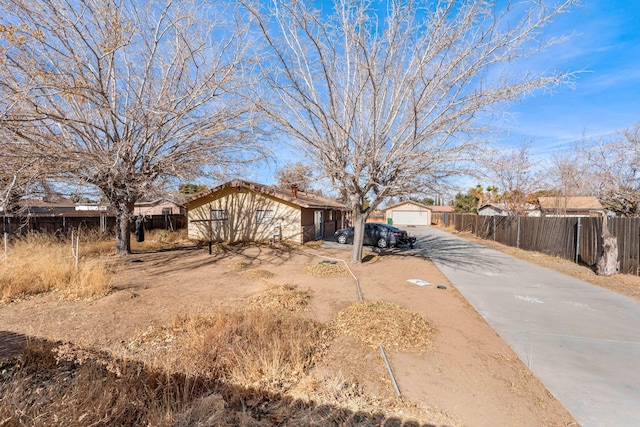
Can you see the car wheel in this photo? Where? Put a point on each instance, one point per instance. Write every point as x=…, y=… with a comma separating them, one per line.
x=382, y=243
x=342, y=239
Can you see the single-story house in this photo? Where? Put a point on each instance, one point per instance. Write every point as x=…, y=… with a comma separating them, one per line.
x=492, y=209
x=241, y=210
x=570, y=206
x=408, y=213
x=502, y=209
x=47, y=207
x=158, y=207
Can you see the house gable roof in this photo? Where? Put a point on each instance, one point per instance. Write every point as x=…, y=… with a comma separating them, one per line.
x=302, y=199
x=570, y=203
x=498, y=207
x=411, y=202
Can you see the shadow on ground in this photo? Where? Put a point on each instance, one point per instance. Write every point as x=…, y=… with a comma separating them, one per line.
x=197, y=256
x=445, y=250
x=40, y=379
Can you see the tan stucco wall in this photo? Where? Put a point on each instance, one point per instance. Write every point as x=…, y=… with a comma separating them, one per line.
x=241, y=225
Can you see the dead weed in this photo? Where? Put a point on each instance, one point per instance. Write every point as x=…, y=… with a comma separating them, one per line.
x=327, y=269
x=239, y=265
x=285, y=297
x=378, y=322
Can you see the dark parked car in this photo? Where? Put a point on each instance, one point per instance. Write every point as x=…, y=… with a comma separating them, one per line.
x=380, y=235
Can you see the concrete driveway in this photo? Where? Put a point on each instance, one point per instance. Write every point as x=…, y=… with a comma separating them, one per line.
x=582, y=341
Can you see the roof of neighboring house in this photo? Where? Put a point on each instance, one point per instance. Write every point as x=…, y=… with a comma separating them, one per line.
x=433, y=208
x=302, y=199
x=156, y=202
x=570, y=203
x=501, y=206
x=48, y=203
x=411, y=202
x=495, y=206
x=441, y=208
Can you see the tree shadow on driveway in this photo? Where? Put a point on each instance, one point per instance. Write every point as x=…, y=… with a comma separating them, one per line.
x=458, y=254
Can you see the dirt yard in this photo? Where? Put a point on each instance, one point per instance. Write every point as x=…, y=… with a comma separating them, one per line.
x=468, y=376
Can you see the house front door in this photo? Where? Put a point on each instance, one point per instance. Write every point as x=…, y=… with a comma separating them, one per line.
x=318, y=221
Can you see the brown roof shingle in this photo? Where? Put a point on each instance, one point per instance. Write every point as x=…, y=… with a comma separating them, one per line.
x=302, y=199
x=570, y=203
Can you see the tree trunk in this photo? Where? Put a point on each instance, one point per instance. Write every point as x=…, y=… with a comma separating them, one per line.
x=358, y=235
x=124, y=213
x=608, y=264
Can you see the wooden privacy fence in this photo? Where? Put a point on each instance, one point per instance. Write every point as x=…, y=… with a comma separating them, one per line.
x=64, y=224
x=578, y=239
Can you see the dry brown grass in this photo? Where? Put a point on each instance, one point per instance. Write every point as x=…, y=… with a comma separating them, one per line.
x=256, y=348
x=313, y=244
x=49, y=385
x=232, y=367
x=285, y=297
x=239, y=265
x=160, y=239
x=327, y=269
x=46, y=388
x=39, y=263
x=378, y=322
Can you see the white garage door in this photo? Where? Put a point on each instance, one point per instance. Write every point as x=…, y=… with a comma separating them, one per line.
x=410, y=217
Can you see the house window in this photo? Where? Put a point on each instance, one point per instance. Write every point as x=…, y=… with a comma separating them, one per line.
x=219, y=215
x=264, y=216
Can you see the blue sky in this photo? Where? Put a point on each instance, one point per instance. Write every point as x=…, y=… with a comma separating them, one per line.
x=604, y=49
x=605, y=96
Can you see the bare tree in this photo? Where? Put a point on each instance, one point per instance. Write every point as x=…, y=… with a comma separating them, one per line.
x=613, y=167
x=568, y=175
x=297, y=174
x=515, y=173
x=387, y=97
x=20, y=177
x=124, y=94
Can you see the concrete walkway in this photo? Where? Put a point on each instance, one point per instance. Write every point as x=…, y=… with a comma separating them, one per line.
x=582, y=341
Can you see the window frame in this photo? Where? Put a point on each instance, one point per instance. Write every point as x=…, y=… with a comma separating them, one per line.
x=223, y=217
x=265, y=216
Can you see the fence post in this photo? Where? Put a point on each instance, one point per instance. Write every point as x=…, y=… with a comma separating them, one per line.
x=578, y=239
x=518, y=237
x=6, y=239
x=494, y=228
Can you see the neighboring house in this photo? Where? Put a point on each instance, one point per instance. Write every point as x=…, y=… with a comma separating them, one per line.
x=408, y=213
x=246, y=211
x=89, y=206
x=158, y=207
x=47, y=207
x=492, y=209
x=376, y=216
x=502, y=209
x=570, y=206
x=441, y=209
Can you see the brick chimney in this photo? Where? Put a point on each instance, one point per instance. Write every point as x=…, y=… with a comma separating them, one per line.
x=294, y=190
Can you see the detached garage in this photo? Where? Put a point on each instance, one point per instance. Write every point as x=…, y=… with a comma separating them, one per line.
x=409, y=213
